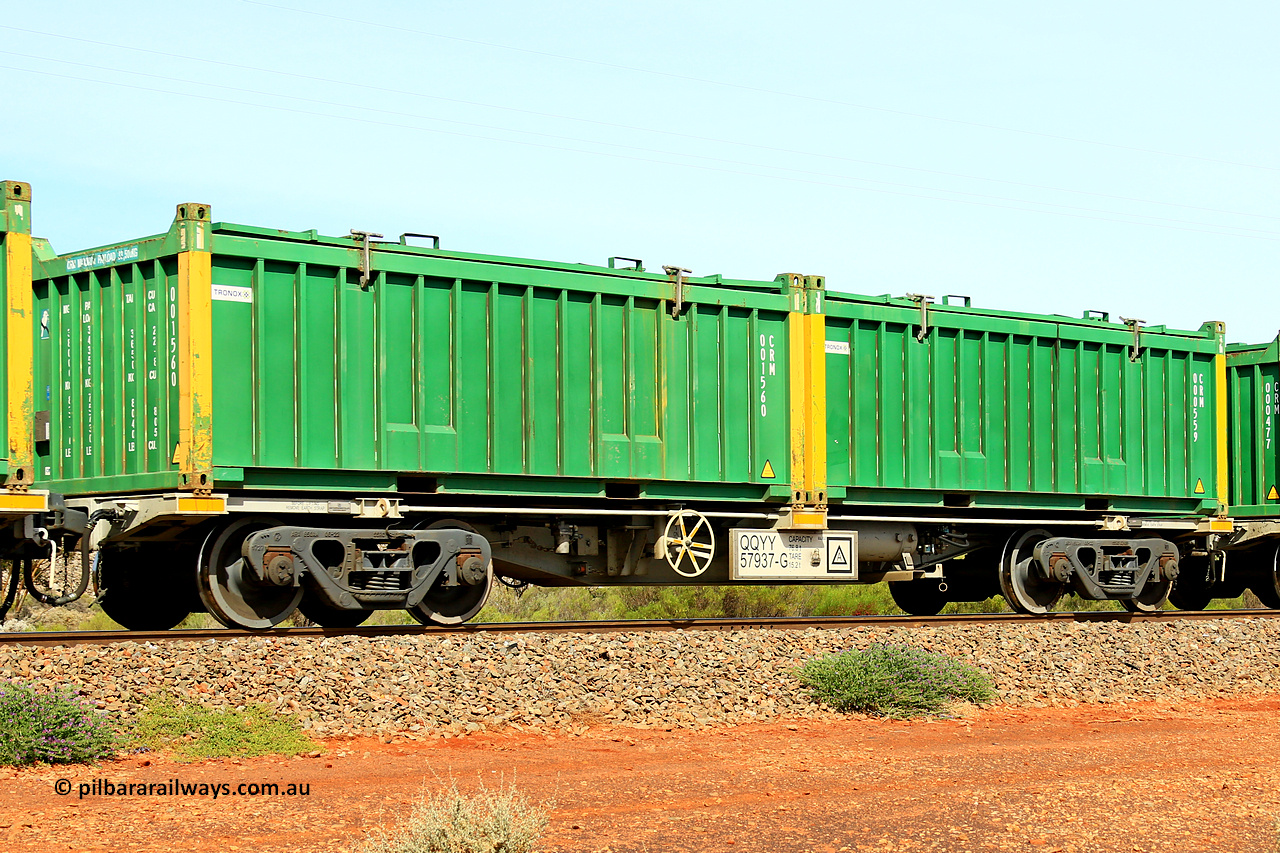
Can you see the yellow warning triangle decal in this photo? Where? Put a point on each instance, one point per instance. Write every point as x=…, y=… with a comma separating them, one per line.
x=1273, y=495
x=767, y=473
x=1199, y=486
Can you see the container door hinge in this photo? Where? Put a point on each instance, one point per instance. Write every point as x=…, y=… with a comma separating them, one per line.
x=677, y=279
x=366, y=266
x=923, y=301
x=1135, y=351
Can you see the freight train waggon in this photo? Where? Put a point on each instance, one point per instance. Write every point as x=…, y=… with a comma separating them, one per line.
x=23, y=510
x=1250, y=557
x=254, y=422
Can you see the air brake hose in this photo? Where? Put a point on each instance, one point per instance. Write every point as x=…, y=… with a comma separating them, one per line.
x=85, y=568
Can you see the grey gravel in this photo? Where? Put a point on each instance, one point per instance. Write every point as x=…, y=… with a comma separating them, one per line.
x=429, y=686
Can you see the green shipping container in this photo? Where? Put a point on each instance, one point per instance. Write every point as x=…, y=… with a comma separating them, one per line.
x=1253, y=374
x=219, y=356
x=950, y=406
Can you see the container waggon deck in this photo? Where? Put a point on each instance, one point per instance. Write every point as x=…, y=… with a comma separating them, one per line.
x=254, y=420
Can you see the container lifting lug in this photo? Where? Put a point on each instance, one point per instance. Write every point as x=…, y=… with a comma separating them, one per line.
x=1136, y=351
x=677, y=302
x=923, y=301
x=366, y=270
x=404, y=238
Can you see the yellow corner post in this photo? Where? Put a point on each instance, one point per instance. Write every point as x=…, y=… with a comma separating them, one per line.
x=808, y=375
x=16, y=223
x=194, y=452
x=1223, y=464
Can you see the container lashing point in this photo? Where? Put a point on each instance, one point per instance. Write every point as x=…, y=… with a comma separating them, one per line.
x=1135, y=352
x=366, y=267
x=677, y=278
x=923, y=301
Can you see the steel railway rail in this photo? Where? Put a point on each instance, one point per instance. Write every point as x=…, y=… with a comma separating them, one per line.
x=74, y=638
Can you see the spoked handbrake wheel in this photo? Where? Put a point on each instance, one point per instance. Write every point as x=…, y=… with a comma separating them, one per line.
x=1026, y=590
x=688, y=543
x=228, y=587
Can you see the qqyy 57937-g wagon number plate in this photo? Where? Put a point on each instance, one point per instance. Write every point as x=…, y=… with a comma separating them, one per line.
x=793, y=555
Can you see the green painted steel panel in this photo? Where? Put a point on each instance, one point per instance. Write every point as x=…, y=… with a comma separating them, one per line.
x=989, y=405
x=530, y=377
x=1253, y=380
x=107, y=369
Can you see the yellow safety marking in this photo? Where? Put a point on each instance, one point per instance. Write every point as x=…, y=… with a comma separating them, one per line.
x=1220, y=375
x=195, y=374
x=1273, y=495
x=1221, y=525
x=767, y=473
x=1199, y=486
x=23, y=502
x=816, y=431
x=799, y=403
x=808, y=372
x=816, y=518
x=202, y=505
x=20, y=347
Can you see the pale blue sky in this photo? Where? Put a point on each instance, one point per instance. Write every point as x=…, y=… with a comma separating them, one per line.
x=1121, y=156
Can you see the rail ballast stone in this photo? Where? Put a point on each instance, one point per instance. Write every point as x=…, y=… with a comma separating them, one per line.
x=425, y=686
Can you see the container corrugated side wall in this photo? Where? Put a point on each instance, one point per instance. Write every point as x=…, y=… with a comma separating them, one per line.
x=107, y=371
x=546, y=380
x=1001, y=410
x=493, y=376
x=1254, y=385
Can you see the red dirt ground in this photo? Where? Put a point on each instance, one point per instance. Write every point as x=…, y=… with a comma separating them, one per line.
x=1194, y=776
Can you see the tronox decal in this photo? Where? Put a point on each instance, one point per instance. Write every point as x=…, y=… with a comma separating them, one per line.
x=231, y=293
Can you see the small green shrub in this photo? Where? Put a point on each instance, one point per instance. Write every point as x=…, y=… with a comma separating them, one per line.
x=488, y=821
x=893, y=681
x=51, y=725
x=199, y=732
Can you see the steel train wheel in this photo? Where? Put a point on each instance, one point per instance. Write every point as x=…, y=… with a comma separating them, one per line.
x=918, y=597
x=1023, y=587
x=453, y=605
x=1267, y=585
x=148, y=589
x=1193, y=590
x=1150, y=600
x=227, y=586
x=327, y=616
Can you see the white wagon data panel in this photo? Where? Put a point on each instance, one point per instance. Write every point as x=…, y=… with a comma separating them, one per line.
x=794, y=555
